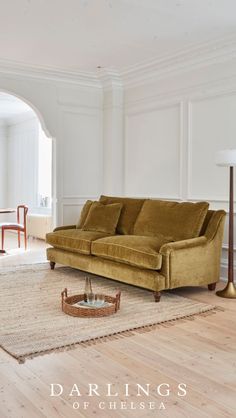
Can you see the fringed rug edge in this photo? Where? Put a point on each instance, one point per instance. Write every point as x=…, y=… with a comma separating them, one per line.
x=211, y=310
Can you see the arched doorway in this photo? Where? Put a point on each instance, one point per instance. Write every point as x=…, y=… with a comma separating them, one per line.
x=27, y=158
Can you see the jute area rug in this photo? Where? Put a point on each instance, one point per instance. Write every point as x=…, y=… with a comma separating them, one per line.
x=32, y=322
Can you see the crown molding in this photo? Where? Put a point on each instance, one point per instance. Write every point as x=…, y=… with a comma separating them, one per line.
x=109, y=78
x=191, y=58
x=83, y=78
x=195, y=57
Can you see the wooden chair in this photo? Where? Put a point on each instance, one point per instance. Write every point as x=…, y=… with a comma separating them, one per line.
x=16, y=226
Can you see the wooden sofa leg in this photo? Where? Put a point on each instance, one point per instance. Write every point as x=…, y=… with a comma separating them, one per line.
x=52, y=265
x=212, y=286
x=157, y=296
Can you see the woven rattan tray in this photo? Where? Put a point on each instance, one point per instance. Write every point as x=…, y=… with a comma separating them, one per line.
x=67, y=303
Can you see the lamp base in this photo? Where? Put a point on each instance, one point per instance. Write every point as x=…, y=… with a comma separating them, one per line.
x=228, y=292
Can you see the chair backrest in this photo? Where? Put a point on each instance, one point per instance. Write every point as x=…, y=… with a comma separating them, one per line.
x=25, y=211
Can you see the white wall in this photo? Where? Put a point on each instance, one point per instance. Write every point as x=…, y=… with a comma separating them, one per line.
x=19, y=163
x=152, y=144
x=3, y=168
x=71, y=113
x=174, y=124
x=152, y=132
x=22, y=162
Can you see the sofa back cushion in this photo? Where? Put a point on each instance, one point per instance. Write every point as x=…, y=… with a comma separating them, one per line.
x=178, y=220
x=103, y=218
x=130, y=210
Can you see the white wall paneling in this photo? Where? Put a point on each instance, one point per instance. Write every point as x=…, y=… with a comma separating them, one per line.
x=152, y=131
x=212, y=127
x=224, y=259
x=71, y=213
x=206, y=125
x=3, y=168
x=49, y=96
x=71, y=208
x=153, y=152
x=22, y=163
x=113, y=140
x=82, y=153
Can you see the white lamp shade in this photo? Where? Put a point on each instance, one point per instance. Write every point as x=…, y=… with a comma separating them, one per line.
x=226, y=158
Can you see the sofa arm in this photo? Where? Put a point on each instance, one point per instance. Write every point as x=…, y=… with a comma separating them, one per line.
x=192, y=262
x=217, y=219
x=166, y=249
x=60, y=228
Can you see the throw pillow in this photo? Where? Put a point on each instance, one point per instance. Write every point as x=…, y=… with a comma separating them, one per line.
x=130, y=210
x=84, y=214
x=103, y=218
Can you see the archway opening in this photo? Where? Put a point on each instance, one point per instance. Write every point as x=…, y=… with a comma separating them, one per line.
x=26, y=174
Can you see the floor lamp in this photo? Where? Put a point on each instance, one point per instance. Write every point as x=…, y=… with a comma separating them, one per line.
x=227, y=158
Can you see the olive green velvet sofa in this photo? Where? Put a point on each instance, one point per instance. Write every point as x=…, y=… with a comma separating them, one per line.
x=156, y=244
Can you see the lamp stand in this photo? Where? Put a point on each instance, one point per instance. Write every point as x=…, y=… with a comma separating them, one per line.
x=230, y=291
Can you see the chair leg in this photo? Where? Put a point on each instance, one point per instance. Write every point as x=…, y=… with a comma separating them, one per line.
x=25, y=235
x=18, y=239
x=52, y=265
x=3, y=238
x=157, y=296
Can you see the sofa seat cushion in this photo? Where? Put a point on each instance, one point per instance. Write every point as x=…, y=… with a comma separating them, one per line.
x=74, y=240
x=181, y=221
x=129, y=212
x=134, y=250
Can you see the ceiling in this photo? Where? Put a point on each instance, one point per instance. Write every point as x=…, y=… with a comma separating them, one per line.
x=81, y=35
x=10, y=107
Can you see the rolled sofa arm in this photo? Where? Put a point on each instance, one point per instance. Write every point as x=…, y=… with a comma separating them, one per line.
x=61, y=228
x=196, y=261
x=166, y=249
x=217, y=219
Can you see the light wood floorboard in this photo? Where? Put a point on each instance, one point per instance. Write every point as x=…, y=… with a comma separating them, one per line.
x=199, y=352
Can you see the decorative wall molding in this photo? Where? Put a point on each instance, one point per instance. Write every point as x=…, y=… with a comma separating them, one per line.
x=81, y=110
x=224, y=269
x=149, y=98
x=93, y=116
x=109, y=78
x=191, y=58
x=225, y=247
x=80, y=197
x=78, y=108
x=149, y=109
x=197, y=91
x=189, y=152
x=145, y=106
x=63, y=206
x=201, y=98
x=82, y=78
x=74, y=202
x=70, y=97
x=157, y=197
